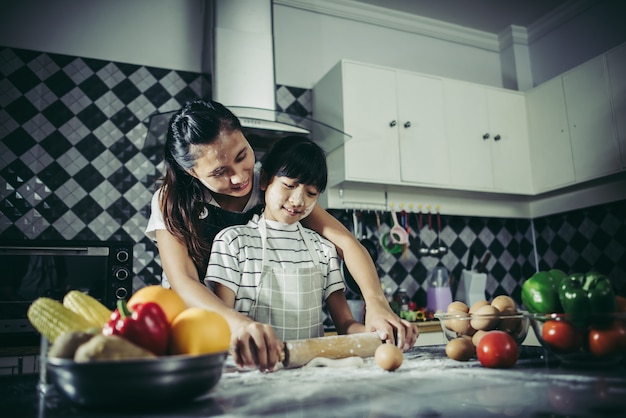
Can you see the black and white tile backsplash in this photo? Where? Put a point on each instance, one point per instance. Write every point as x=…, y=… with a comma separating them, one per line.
x=74, y=164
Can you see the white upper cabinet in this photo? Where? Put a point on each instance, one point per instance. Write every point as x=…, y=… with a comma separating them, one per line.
x=595, y=150
x=423, y=144
x=487, y=137
x=395, y=120
x=616, y=64
x=550, y=148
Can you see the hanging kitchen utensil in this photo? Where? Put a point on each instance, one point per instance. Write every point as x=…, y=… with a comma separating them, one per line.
x=434, y=250
x=405, y=224
x=398, y=233
x=423, y=250
x=388, y=245
x=442, y=248
x=377, y=222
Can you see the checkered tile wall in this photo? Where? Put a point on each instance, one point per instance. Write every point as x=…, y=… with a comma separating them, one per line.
x=74, y=165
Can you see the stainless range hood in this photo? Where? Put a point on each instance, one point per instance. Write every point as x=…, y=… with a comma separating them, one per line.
x=239, y=50
x=243, y=60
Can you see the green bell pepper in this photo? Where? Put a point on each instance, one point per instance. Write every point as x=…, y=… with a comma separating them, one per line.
x=587, y=294
x=540, y=292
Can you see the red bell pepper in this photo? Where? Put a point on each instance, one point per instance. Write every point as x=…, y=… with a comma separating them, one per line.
x=146, y=325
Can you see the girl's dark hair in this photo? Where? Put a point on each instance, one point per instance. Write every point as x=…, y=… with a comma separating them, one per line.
x=298, y=158
x=197, y=123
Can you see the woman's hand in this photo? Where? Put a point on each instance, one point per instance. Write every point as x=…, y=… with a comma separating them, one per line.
x=254, y=344
x=379, y=317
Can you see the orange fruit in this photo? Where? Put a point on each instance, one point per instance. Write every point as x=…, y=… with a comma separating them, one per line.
x=199, y=331
x=170, y=301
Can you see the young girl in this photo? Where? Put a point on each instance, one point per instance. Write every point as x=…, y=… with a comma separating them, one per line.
x=211, y=182
x=272, y=269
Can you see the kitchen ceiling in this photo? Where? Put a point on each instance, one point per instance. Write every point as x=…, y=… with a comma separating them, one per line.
x=491, y=16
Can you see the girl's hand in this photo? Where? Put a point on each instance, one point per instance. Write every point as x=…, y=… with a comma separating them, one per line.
x=379, y=317
x=255, y=345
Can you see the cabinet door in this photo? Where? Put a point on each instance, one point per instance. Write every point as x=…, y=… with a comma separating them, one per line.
x=550, y=148
x=370, y=117
x=616, y=63
x=592, y=134
x=508, y=127
x=421, y=125
x=466, y=126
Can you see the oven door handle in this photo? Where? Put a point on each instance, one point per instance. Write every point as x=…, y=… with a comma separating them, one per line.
x=58, y=251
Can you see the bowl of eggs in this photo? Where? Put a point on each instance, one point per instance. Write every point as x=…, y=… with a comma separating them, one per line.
x=587, y=340
x=464, y=326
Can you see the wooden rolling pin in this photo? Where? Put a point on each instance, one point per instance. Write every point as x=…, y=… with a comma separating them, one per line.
x=297, y=353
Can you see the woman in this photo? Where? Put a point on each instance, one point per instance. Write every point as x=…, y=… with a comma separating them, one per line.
x=211, y=182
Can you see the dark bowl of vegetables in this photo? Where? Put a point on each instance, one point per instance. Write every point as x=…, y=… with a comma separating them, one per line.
x=136, y=383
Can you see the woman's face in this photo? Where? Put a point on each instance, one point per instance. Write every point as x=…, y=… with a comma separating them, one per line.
x=288, y=201
x=226, y=166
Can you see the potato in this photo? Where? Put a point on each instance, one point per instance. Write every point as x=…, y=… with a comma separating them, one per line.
x=109, y=347
x=485, y=318
x=460, y=349
x=66, y=344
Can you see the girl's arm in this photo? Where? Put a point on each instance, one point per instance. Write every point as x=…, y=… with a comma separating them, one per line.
x=379, y=316
x=183, y=277
x=342, y=316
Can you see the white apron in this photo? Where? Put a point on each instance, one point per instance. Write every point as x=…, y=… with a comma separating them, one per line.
x=290, y=300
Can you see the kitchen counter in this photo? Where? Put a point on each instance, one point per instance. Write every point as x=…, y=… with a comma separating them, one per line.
x=427, y=384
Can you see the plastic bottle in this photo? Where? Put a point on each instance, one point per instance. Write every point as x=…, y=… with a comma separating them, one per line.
x=403, y=298
x=438, y=295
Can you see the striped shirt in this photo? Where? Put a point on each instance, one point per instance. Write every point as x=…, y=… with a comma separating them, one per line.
x=236, y=258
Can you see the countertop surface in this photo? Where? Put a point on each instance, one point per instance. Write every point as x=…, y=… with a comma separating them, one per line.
x=428, y=384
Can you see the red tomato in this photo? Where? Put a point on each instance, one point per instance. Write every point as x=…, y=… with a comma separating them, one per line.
x=562, y=336
x=497, y=349
x=605, y=342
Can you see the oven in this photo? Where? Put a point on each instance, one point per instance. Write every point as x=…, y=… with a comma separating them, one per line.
x=31, y=269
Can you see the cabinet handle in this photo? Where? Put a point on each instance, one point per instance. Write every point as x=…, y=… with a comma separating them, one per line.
x=486, y=136
x=407, y=124
x=392, y=123
x=497, y=138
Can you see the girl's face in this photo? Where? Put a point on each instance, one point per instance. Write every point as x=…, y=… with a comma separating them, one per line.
x=287, y=201
x=226, y=166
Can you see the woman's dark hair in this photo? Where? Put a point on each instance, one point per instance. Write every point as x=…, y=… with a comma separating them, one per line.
x=298, y=158
x=197, y=123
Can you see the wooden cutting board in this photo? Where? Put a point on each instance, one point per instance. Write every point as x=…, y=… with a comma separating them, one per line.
x=297, y=353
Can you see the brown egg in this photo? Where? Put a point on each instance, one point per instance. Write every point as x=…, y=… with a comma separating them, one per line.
x=477, y=305
x=457, y=306
x=510, y=325
x=485, y=318
x=460, y=349
x=388, y=357
x=477, y=336
x=459, y=322
x=503, y=303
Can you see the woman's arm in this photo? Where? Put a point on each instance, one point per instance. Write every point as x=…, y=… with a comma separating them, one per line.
x=183, y=277
x=379, y=316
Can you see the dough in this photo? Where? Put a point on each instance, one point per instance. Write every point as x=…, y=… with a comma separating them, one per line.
x=340, y=362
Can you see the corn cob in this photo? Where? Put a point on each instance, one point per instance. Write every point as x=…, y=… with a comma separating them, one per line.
x=51, y=318
x=88, y=307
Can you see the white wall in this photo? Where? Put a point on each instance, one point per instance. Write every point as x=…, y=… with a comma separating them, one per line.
x=309, y=44
x=171, y=33
x=591, y=30
x=158, y=33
